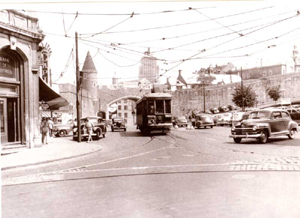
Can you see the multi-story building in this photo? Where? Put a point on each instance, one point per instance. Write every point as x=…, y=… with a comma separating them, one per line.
x=20, y=83
x=149, y=68
x=125, y=109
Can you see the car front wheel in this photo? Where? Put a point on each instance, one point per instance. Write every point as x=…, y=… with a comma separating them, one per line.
x=292, y=134
x=237, y=140
x=263, y=137
x=62, y=133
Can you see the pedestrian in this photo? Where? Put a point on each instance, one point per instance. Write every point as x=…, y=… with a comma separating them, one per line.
x=44, y=130
x=89, y=126
x=51, y=124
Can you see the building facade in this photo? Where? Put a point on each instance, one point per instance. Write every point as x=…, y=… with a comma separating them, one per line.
x=126, y=109
x=19, y=79
x=149, y=68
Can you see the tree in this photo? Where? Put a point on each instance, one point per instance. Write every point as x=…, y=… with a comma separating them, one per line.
x=274, y=92
x=247, y=95
x=205, y=79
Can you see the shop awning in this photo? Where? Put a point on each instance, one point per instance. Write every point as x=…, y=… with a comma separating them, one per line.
x=51, y=97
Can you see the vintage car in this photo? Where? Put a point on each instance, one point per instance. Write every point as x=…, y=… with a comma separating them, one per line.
x=181, y=121
x=224, y=119
x=204, y=120
x=237, y=117
x=62, y=129
x=263, y=124
x=118, y=123
x=295, y=114
x=99, y=128
x=214, y=110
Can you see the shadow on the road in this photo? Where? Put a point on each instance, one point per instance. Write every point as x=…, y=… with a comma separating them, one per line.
x=131, y=134
x=272, y=141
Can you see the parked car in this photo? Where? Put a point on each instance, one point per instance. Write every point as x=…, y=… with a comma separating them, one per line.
x=237, y=117
x=223, y=109
x=118, y=123
x=224, y=119
x=295, y=114
x=203, y=121
x=263, y=124
x=214, y=110
x=63, y=129
x=99, y=128
x=181, y=121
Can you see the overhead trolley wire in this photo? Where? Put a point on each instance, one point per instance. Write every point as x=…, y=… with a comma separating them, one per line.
x=112, y=14
x=184, y=24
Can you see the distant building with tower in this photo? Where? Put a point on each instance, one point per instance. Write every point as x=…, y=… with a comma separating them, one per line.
x=149, y=68
x=88, y=95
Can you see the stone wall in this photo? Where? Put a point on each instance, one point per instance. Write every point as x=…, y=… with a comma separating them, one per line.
x=68, y=91
x=221, y=95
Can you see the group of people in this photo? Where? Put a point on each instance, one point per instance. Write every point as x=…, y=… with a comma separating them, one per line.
x=46, y=129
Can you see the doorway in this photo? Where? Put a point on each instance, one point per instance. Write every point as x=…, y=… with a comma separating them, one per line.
x=9, y=120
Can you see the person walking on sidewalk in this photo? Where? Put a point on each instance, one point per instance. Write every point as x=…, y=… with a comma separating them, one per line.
x=45, y=130
x=51, y=124
x=89, y=126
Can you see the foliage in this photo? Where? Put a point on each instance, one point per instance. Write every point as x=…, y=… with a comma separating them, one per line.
x=205, y=79
x=247, y=94
x=274, y=92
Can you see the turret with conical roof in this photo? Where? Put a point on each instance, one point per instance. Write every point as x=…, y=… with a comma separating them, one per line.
x=89, y=81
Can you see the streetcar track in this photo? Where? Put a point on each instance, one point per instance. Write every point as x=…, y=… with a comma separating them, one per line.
x=60, y=175
x=235, y=150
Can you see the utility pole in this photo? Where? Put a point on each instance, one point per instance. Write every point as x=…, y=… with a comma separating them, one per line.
x=204, y=97
x=77, y=90
x=242, y=90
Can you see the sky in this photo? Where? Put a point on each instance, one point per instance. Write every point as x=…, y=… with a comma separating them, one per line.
x=187, y=35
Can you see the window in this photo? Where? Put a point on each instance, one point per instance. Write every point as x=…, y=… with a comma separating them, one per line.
x=151, y=107
x=168, y=106
x=119, y=107
x=285, y=115
x=119, y=114
x=159, y=106
x=125, y=101
x=125, y=115
x=125, y=107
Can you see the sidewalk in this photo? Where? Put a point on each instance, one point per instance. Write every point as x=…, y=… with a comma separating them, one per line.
x=58, y=148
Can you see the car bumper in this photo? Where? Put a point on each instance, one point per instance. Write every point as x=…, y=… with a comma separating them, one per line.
x=161, y=125
x=245, y=136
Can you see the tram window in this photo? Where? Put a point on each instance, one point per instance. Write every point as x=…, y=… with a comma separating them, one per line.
x=168, y=106
x=151, y=107
x=159, y=106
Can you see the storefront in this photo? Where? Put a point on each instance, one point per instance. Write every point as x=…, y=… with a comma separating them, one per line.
x=19, y=79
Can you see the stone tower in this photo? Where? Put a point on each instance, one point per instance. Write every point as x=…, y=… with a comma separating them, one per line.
x=89, y=81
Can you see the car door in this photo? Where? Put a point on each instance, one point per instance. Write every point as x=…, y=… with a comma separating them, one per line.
x=285, y=120
x=275, y=122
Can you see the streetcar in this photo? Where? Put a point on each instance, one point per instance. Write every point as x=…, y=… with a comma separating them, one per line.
x=153, y=113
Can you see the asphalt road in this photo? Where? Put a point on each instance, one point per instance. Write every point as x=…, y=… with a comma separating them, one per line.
x=191, y=173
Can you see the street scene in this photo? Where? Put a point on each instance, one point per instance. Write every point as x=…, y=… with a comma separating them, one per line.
x=150, y=109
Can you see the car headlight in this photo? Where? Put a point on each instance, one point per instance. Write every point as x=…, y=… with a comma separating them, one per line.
x=233, y=128
x=254, y=128
x=75, y=130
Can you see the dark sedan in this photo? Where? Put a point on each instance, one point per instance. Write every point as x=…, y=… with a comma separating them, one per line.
x=263, y=124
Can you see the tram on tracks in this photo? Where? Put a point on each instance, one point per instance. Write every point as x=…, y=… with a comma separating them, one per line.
x=153, y=113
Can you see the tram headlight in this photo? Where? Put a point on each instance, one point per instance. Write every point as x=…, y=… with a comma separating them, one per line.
x=151, y=119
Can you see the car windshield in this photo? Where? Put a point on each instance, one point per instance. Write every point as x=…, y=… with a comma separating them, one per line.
x=181, y=118
x=237, y=115
x=259, y=114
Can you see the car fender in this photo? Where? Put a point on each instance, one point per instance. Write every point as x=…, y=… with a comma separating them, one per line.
x=264, y=126
x=293, y=125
